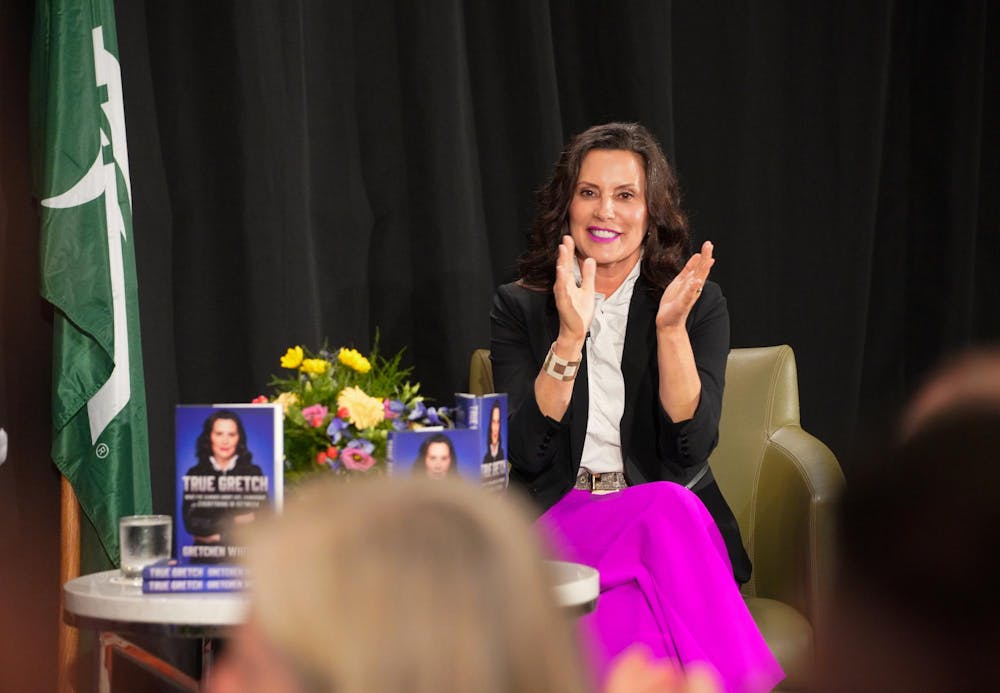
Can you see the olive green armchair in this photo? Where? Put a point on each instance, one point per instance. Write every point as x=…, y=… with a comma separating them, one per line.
x=781, y=483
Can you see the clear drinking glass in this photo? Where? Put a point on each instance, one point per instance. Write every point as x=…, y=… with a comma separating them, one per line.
x=145, y=539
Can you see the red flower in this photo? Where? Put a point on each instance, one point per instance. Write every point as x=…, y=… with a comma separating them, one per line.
x=259, y=399
x=325, y=456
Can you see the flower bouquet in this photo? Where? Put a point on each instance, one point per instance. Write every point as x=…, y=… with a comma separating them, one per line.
x=339, y=407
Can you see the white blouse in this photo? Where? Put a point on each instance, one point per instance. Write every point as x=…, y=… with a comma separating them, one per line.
x=602, y=447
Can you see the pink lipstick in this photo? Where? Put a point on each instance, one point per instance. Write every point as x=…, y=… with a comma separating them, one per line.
x=599, y=234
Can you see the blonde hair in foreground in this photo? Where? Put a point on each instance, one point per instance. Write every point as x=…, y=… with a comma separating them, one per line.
x=415, y=585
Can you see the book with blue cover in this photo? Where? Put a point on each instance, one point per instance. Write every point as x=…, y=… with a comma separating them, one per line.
x=172, y=576
x=487, y=414
x=189, y=585
x=435, y=453
x=475, y=450
x=229, y=462
x=172, y=570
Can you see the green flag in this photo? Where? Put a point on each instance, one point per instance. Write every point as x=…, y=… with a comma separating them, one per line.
x=88, y=264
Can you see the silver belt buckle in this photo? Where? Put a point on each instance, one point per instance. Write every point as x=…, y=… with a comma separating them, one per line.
x=594, y=479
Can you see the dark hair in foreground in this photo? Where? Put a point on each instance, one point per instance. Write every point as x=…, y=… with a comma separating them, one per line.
x=970, y=376
x=918, y=541
x=203, y=447
x=665, y=248
x=420, y=466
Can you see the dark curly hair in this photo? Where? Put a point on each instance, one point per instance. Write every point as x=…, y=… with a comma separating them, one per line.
x=203, y=447
x=489, y=430
x=665, y=247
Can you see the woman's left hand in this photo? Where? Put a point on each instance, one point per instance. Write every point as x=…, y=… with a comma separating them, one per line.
x=684, y=290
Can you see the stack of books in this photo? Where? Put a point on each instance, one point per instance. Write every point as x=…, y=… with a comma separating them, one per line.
x=169, y=577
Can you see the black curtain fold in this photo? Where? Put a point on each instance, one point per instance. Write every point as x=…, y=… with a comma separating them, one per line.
x=312, y=171
x=780, y=120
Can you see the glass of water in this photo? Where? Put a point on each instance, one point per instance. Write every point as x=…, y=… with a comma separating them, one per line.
x=145, y=539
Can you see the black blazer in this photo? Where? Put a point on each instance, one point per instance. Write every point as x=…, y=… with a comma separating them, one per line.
x=545, y=454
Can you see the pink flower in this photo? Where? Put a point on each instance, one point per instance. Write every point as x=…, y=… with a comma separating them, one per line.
x=315, y=415
x=356, y=459
x=259, y=399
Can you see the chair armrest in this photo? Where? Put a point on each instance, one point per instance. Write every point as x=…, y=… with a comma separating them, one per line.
x=793, y=547
x=481, y=373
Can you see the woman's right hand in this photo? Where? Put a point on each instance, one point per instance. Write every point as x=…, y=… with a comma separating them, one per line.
x=574, y=303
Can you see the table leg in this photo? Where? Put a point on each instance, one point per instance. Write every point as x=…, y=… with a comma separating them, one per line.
x=105, y=641
x=141, y=667
x=207, y=659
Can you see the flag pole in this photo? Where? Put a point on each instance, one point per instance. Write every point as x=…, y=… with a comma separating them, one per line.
x=69, y=568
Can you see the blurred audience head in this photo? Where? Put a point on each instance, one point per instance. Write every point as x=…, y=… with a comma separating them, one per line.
x=970, y=377
x=917, y=604
x=396, y=585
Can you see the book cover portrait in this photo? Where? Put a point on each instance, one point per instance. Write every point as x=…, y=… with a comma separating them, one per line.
x=228, y=462
x=436, y=453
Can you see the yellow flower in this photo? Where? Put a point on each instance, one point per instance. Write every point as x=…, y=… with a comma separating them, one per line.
x=286, y=399
x=316, y=366
x=363, y=410
x=352, y=359
x=292, y=357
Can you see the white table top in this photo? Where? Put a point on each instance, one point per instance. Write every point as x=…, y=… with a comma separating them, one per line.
x=576, y=585
x=97, y=601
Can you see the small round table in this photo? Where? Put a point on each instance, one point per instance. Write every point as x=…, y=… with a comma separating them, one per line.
x=104, y=603
x=576, y=586
x=101, y=602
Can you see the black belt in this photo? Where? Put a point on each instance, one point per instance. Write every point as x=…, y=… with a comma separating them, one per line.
x=607, y=481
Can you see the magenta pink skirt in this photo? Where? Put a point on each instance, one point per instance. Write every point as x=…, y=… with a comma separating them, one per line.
x=666, y=581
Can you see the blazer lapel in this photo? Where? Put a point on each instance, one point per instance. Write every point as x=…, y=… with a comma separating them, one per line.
x=639, y=354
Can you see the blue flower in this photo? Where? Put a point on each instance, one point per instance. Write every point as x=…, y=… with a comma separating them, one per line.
x=364, y=445
x=336, y=429
x=394, y=408
x=399, y=425
x=438, y=416
x=418, y=412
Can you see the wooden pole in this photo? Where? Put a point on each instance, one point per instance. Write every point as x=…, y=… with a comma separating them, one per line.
x=69, y=568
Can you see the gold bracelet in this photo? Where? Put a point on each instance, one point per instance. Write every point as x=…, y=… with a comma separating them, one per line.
x=558, y=368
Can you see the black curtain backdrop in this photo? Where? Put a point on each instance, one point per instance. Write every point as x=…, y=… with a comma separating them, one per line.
x=310, y=171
